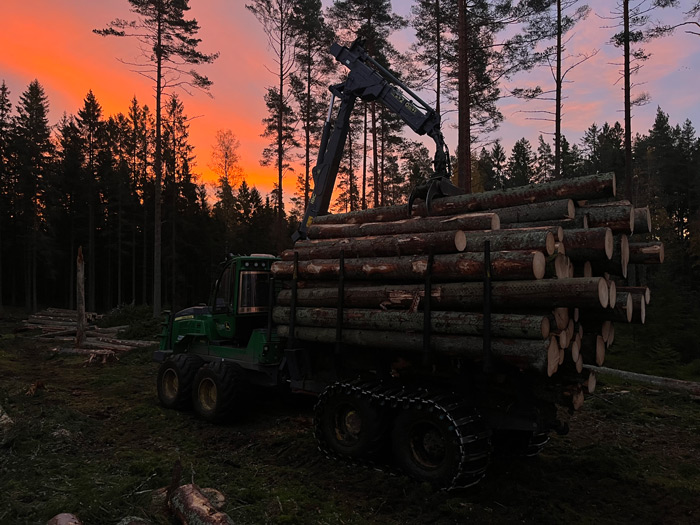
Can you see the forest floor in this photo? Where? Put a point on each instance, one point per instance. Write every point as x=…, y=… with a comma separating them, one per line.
x=93, y=440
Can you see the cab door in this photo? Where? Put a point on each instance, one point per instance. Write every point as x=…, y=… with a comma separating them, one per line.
x=223, y=308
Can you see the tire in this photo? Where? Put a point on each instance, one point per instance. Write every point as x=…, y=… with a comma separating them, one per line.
x=175, y=378
x=347, y=424
x=447, y=450
x=217, y=390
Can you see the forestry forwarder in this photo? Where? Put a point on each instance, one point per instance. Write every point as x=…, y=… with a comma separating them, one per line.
x=435, y=420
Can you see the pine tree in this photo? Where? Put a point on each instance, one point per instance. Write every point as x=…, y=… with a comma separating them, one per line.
x=544, y=171
x=276, y=17
x=170, y=45
x=309, y=85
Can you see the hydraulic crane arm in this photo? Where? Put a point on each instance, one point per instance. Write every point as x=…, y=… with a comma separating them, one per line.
x=369, y=81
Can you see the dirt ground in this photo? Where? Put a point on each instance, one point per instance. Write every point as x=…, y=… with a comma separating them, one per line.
x=93, y=440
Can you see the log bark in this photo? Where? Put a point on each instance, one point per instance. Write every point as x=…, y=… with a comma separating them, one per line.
x=666, y=383
x=538, y=211
x=646, y=252
x=642, y=220
x=451, y=323
x=469, y=221
x=190, y=506
x=618, y=217
x=580, y=223
x=541, y=239
x=557, y=266
x=589, y=245
x=547, y=293
x=592, y=186
x=506, y=265
x=637, y=290
x=542, y=355
x=378, y=246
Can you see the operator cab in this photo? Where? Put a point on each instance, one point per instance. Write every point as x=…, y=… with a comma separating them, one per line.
x=241, y=297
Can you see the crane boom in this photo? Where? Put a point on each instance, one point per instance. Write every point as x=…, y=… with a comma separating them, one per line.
x=369, y=81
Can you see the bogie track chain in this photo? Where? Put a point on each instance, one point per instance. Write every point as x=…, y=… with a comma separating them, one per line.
x=465, y=424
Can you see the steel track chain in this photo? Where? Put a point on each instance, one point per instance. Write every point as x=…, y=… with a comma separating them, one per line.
x=469, y=430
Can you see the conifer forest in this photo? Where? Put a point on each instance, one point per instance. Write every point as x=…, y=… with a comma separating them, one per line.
x=126, y=187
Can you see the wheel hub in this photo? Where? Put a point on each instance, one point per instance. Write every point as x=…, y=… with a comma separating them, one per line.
x=207, y=394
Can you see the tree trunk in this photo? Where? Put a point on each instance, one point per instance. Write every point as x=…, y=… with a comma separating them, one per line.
x=642, y=220
x=80, y=331
x=675, y=385
x=540, y=211
x=505, y=265
x=619, y=218
x=542, y=356
x=547, y=293
x=455, y=323
x=589, y=245
x=470, y=221
x=580, y=188
x=387, y=245
x=646, y=252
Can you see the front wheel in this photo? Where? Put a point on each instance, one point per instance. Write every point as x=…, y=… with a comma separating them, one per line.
x=175, y=377
x=217, y=390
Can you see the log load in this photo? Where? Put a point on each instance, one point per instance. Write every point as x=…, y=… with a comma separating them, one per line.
x=558, y=278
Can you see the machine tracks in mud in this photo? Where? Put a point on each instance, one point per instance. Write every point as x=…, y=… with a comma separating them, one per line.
x=430, y=436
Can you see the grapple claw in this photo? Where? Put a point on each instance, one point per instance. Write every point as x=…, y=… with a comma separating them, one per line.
x=435, y=187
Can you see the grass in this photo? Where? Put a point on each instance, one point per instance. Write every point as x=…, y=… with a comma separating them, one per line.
x=95, y=442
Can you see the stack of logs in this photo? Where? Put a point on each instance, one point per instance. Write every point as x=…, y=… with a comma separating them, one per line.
x=563, y=261
x=60, y=326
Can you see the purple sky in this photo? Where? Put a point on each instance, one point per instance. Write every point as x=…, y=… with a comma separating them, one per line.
x=53, y=42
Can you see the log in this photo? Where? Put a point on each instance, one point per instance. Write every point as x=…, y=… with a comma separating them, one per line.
x=541, y=239
x=622, y=310
x=667, y=383
x=378, y=246
x=542, y=356
x=593, y=349
x=589, y=245
x=646, y=252
x=639, y=309
x=538, y=211
x=469, y=221
x=580, y=222
x=546, y=293
x=467, y=323
x=557, y=266
x=190, y=506
x=561, y=318
x=505, y=265
x=618, y=217
x=591, y=186
x=636, y=290
x=619, y=262
x=642, y=220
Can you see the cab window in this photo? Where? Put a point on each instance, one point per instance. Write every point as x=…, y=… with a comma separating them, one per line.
x=222, y=299
x=254, y=292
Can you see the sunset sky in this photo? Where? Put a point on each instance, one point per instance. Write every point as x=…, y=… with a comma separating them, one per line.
x=53, y=42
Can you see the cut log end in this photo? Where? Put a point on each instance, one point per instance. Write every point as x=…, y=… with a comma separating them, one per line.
x=539, y=265
x=603, y=293
x=552, y=356
x=609, y=243
x=461, y=240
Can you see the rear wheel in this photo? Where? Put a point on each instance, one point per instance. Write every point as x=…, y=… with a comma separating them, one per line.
x=175, y=377
x=446, y=447
x=346, y=423
x=217, y=389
